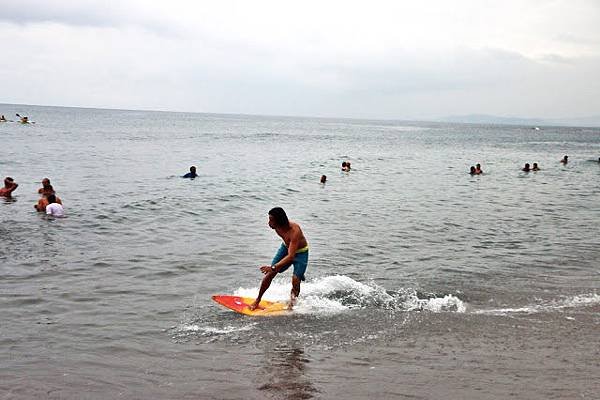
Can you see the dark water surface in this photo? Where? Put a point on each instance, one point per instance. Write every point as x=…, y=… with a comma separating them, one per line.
x=423, y=282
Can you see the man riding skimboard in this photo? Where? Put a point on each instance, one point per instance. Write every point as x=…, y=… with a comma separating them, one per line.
x=293, y=251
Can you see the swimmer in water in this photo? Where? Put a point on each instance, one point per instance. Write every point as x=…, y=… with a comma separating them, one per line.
x=473, y=171
x=535, y=167
x=54, y=208
x=526, y=168
x=192, y=174
x=565, y=160
x=45, y=191
x=478, y=170
x=9, y=186
x=46, y=188
x=323, y=179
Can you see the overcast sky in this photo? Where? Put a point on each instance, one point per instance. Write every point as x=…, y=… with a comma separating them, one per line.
x=362, y=59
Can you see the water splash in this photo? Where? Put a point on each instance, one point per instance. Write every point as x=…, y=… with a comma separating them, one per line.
x=339, y=293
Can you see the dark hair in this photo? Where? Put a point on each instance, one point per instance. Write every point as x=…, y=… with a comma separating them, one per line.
x=51, y=198
x=279, y=216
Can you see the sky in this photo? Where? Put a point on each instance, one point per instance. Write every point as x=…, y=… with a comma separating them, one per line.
x=358, y=59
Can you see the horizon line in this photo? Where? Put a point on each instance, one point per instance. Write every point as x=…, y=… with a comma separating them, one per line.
x=535, y=121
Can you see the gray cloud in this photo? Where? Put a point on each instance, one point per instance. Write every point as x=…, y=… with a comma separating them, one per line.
x=86, y=13
x=79, y=13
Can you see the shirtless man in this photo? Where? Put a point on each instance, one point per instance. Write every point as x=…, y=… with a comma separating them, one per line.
x=293, y=251
x=9, y=186
x=46, y=188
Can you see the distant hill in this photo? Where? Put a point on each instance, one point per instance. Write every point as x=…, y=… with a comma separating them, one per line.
x=592, y=121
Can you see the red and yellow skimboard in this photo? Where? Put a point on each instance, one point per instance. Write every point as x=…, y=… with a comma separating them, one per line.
x=240, y=305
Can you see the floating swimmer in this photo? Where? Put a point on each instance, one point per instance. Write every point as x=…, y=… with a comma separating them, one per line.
x=192, y=174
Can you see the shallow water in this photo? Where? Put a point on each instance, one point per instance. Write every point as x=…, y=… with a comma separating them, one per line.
x=423, y=282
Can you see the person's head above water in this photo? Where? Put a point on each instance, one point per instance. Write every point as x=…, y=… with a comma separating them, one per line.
x=565, y=160
x=46, y=187
x=8, y=181
x=323, y=178
x=526, y=168
x=192, y=174
x=278, y=218
x=472, y=171
x=51, y=198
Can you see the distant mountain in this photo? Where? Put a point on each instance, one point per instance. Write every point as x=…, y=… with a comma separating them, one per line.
x=592, y=121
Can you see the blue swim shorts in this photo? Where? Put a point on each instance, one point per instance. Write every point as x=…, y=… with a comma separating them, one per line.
x=300, y=260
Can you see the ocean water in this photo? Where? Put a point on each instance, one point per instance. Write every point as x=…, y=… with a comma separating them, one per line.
x=424, y=282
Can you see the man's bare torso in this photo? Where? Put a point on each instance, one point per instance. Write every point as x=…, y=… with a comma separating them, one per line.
x=294, y=233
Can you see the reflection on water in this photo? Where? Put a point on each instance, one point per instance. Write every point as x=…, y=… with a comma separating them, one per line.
x=284, y=374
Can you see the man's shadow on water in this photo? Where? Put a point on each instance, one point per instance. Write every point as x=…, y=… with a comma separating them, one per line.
x=285, y=374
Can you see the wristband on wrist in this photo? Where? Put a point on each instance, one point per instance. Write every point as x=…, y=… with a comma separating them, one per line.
x=273, y=268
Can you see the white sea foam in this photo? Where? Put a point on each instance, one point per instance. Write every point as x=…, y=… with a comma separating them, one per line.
x=443, y=304
x=583, y=300
x=215, y=330
x=339, y=293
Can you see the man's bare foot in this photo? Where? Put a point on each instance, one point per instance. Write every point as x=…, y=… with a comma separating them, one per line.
x=292, y=302
x=253, y=306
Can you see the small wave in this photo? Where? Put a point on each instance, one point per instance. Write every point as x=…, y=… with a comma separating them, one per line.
x=584, y=300
x=339, y=293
